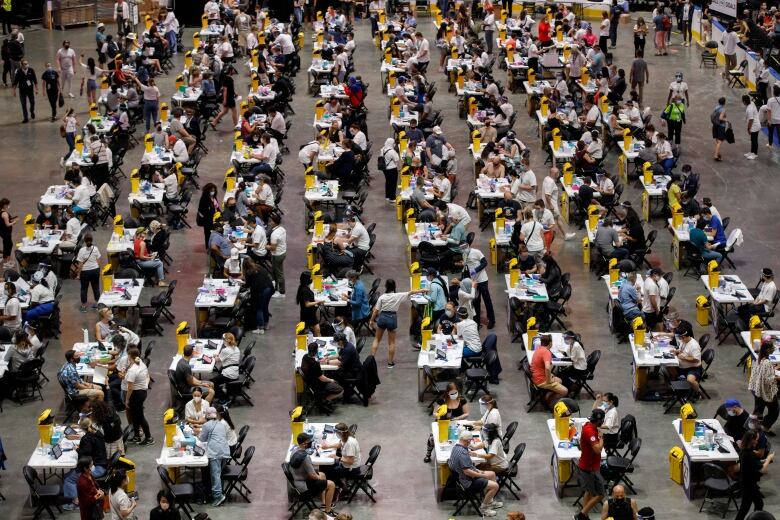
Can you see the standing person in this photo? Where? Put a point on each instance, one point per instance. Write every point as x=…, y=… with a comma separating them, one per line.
x=88, y=260
x=66, y=66
x=27, y=82
x=277, y=245
x=385, y=318
x=70, y=124
x=261, y=288
x=51, y=81
x=121, y=505
x=137, y=378
x=615, y=12
x=729, y=40
x=589, y=465
x=4, y=51
x=391, y=160
x=753, y=126
x=719, y=126
x=5, y=14
x=474, y=263
x=604, y=31
x=91, y=73
x=308, y=304
x=489, y=26
x=640, y=35
x=750, y=470
x=121, y=16
x=674, y=115
x=660, y=33
x=207, y=207
x=15, y=52
x=639, y=74
x=228, y=102
x=89, y=494
x=151, y=101
x=6, y=231
x=773, y=106
x=171, y=29
x=686, y=22
x=763, y=385
x=215, y=434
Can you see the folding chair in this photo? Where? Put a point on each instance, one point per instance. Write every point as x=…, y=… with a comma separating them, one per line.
x=707, y=357
x=509, y=432
x=535, y=394
x=581, y=382
x=679, y=391
x=717, y=484
x=361, y=481
x=298, y=498
x=433, y=384
x=237, y=448
x=42, y=496
x=234, y=475
x=506, y=480
x=477, y=377
x=465, y=497
x=618, y=467
x=183, y=494
x=737, y=75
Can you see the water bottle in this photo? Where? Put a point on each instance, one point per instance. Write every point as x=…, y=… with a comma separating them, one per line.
x=452, y=433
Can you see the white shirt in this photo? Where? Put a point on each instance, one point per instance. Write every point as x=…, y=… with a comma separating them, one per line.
x=767, y=293
x=604, y=27
x=89, y=256
x=13, y=308
x=279, y=239
x=690, y=349
x=532, y=231
x=277, y=123
x=73, y=228
x=528, y=178
x=125, y=10
x=41, y=294
x=611, y=421
x=460, y=211
x=180, y=152
x=230, y=356
x=225, y=50
x=359, y=232
x=360, y=139
x=489, y=23
x=192, y=413
x=650, y=288
x=138, y=374
x=271, y=151
x=423, y=53
x=729, y=41
x=171, y=186
x=593, y=114
x=493, y=416
x=351, y=448
x=751, y=114
x=67, y=59
x=305, y=153
x=678, y=88
x=562, y=88
x=550, y=188
x=390, y=302
x=212, y=9
x=259, y=241
x=444, y=186
x=472, y=261
x=467, y=329
x=171, y=23
x=663, y=149
x=774, y=107
x=266, y=195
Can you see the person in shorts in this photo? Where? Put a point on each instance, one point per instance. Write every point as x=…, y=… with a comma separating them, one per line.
x=307, y=477
x=541, y=372
x=589, y=474
x=473, y=480
x=385, y=318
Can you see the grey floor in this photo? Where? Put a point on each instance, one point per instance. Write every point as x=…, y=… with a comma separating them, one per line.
x=741, y=189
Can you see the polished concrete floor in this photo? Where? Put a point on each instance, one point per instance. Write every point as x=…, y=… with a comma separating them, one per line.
x=741, y=189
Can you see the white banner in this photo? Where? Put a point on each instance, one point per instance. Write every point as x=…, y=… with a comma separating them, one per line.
x=726, y=7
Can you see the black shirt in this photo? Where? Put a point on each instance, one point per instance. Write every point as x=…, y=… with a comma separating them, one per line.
x=51, y=79
x=182, y=375
x=308, y=315
x=526, y=264
x=93, y=446
x=620, y=509
x=158, y=514
x=749, y=468
x=310, y=366
x=25, y=81
x=736, y=425
x=350, y=360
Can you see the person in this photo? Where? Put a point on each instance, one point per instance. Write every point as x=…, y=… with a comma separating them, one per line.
x=608, y=242
x=70, y=124
x=763, y=385
x=629, y=298
x=574, y=350
x=227, y=362
x=207, y=207
x=120, y=505
x=474, y=265
x=137, y=377
x=308, y=303
x=88, y=260
x=103, y=326
x=107, y=420
x=51, y=81
x=228, y=102
x=74, y=384
x=674, y=114
x=195, y=410
x=719, y=125
x=488, y=407
x=473, y=480
x=347, y=455
x=184, y=379
x=90, y=496
x=26, y=81
x=618, y=507
x=457, y=405
x=753, y=126
x=532, y=234
x=751, y=468
x=468, y=330
x=550, y=194
x=347, y=360
x=466, y=295
x=604, y=28
x=385, y=318
x=729, y=40
x=639, y=74
x=278, y=247
x=773, y=109
x=589, y=464
x=541, y=372
x=151, y=101
x=437, y=293
x=305, y=476
x=166, y=507
x=328, y=388
x=215, y=434
x=261, y=288
x=358, y=299
x=688, y=353
x=6, y=231
x=764, y=300
x=651, y=299
x=20, y=352
x=12, y=312
x=698, y=239
x=146, y=260
x=495, y=456
x=66, y=64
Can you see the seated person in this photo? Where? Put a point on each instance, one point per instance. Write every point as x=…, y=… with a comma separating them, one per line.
x=608, y=241
x=325, y=388
x=541, y=372
x=698, y=239
x=715, y=228
x=195, y=410
x=606, y=188
x=182, y=376
x=468, y=331
x=494, y=168
x=457, y=405
x=495, y=457
x=347, y=360
x=473, y=480
x=573, y=349
x=736, y=419
x=525, y=262
x=619, y=507
x=147, y=260
x=629, y=298
x=75, y=386
x=764, y=300
x=688, y=354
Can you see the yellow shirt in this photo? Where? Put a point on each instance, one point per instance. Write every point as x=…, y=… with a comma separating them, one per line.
x=674, y=194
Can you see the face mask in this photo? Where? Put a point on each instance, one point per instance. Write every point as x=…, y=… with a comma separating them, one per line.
x=164, y=506
x=604, y=406
x=213, y=193
x=731, y=413
x=47, y=214
x=449, y=314
x=197, y=399
x=226, y=228
x=350, y=284
x=232, y=206
x=339, y=327
x=465, y=252
x=454, y=395
x=92, y=468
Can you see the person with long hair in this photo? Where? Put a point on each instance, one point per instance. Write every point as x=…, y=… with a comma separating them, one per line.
x=457, y=405
x=151, y=101
x=751, y=468
x=305, y=298
x=70, y=125
x=495, y=456
x=90, y=496
x=228, y=102
x=91, y=74
x=227, y=362
x=385, y=318
x=166, y=507
x=108, y=421
x=120, y=505
x=6, y=231
x=207, y=207
x=763, y=385
x=137, y=377
x=347, y=456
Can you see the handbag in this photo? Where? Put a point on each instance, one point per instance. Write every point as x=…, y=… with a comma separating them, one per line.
x=75, y=270
x=61, y=100
x=63, y=133
x=729, y=134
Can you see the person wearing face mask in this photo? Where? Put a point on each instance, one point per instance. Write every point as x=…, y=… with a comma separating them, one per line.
x=474, y=264
x=26, y=81
x=457, y=405
x=763, y=386
x=357, y=297
x=495, y=457
x=207, y=207
x=359, y=241
x=437, y=293
x=448, y=318
x=51, y=81
x=166, y=508
x=764, y=296
x=89, y=494
x=121, y=505
x=137, y=377
x=92, y=447
x=618, y=507
x=736, y=419
x=228, y=361
x=195, y=410
x=608, y=402
x=306, y=476
x=751, y=469
x=589, y=474
x=573, y=349
x=347, y=359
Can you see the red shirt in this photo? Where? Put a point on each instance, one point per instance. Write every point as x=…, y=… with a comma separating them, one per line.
x=544, y=31
x=589, y=459
x=542, y=356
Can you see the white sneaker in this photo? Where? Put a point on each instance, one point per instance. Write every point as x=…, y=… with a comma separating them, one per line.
x=746, y=154
x=277, y=295
x=752, y=156
x=70, y=95
x=486, y=511
x=496, y=504
x=569, y=236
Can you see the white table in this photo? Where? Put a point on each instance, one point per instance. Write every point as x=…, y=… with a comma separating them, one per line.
x=560, y=350
x=215, y=293
x=42, y=460
x=323, y=191
x=655, y=190
x=332, y=292
x=537, y=88
x=328, y=348
x=102, y=124
x=774, y=358
x=190, y=95
x=565, y=151
x=565, y=455
x=572, y=190
x=119, y=244
x=422, y=233
x=263, y=94
x=442, y=450
x=154, y=195
x=454, y=355
x=527, y=289
x=116, y=296
x=693, y=454
x=404, y=120
x=333, y=91
x=655, y=353
x=43, y=243
x=56, y=196
x=325, y=122
x=730, y=292
x=321, y=457
x=159, y=157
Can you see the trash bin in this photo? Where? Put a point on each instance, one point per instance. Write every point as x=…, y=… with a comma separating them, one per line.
x=675, y=464
x=702, y=310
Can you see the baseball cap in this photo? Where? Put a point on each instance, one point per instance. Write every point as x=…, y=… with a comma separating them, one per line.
x=732, y=403
x=437, y=130
x=234, y=253
x=303, y=437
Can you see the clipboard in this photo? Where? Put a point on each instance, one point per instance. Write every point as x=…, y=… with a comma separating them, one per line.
x=100, y=375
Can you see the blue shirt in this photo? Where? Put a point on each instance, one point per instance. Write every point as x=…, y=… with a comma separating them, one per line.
x=221, y=242
x=436, y=295
x=215, y=435
x=720, y=233
x=358, y=300
x=69, y=376
x=457, y=235
x=628, y=298
x=698, y=238
x=460, y=460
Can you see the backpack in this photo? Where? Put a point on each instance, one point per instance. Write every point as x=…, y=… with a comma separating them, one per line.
x=667, y=23
x=715, y=117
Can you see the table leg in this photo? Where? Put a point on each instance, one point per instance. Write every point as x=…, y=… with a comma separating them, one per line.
x=639, y=381
x=420, y=385
x=676, y=251
x=687, y=468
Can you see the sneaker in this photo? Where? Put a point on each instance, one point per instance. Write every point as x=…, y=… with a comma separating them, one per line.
x=70, y=507
x=277, y=295
x=496, y=504
x=752, y=156
x=486, y=511
x=569, y=236
x=391, y=365
x=83, y=308
x=746, y=154
x=94, y=306
x=416, y=346
x=162, y=284
x=147, y=442
x=256, y=331
x=218, y=502
x=135, y=440
x=70, y=95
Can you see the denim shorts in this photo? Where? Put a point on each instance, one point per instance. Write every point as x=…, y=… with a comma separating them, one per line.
x=387, y=320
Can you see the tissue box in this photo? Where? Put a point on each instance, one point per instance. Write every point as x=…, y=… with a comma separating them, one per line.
x=188, y=442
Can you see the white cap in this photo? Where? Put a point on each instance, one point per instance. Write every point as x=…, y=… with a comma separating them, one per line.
x=234, y=253
x=437, y=130
x=101, y=24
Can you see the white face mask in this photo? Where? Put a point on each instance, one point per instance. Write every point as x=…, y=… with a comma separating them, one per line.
x=454, y=395
x=197, y=399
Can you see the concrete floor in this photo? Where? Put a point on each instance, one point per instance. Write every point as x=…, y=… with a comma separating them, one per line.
x=740, y=189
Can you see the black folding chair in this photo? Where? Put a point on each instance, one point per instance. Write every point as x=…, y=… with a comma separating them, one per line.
x=477, y=377
x=183, y=494
x=361, y=481
x=465, y=497
x=618, y=467
x=679, y=391
x=42, y=496
x=718, y=484
x=707, y=357
x=234, y=475
x=298, y=498
x=506, y=480
x=536, y=395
